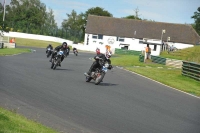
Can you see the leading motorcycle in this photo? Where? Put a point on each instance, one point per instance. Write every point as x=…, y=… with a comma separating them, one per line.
x=98, y=74
x=57, y=59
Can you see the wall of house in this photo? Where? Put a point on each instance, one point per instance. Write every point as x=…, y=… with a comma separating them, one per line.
x=132, y=44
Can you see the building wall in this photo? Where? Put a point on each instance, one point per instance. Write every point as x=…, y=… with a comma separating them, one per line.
x=130, y=43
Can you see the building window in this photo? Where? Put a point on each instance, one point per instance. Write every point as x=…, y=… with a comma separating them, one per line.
x=120, y=39
x=140, y=41
x=100, y=36
x=154, y=47
x=94, y=36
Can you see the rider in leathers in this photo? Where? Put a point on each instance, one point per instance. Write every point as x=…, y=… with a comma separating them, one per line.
x=62, y=47
x=49, y=46
x=105, y=57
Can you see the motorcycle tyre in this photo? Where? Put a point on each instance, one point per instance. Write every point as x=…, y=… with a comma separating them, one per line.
x=54, y=67
x=56, y=64
x=52, y=64
x=100, y=78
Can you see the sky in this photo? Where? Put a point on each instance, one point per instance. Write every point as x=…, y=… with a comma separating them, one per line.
x=169, y=11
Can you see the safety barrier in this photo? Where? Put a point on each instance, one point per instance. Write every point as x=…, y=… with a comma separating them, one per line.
x=174, y=63
x=159, y=60
x=9, y=45
x=127, y=52
x=141, y=58
x=191, y=70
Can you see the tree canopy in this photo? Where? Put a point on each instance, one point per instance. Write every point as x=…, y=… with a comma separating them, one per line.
x=196, y=18
x=32, y=16
x=29, y=16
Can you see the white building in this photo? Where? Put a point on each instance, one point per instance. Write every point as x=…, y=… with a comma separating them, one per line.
x=135, y=34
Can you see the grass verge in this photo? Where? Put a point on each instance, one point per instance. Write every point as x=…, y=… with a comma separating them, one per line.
x=11, y=122
x=167, y=75
x=189, y=54
x=12, y=51
x=35, y=43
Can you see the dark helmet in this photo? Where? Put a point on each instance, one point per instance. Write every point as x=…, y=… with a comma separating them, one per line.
x=49, y=44
x=64, y=44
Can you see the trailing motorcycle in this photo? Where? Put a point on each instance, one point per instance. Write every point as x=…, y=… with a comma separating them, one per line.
x=98, y=74
x=66, y=52
x=49, y=52
x=75, y=52
x=56, y=61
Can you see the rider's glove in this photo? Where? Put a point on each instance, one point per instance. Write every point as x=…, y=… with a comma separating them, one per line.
x=110, y=67
x=97, y=58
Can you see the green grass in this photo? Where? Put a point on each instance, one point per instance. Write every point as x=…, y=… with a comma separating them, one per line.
x=164, y=74
x=11, y=122
x=189, y=54
x=35, y=43
x=11, y=51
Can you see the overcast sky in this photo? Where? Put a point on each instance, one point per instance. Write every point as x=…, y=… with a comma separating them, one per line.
x=170, y=11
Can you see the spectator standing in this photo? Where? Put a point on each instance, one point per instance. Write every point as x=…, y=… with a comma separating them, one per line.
x=148, y=52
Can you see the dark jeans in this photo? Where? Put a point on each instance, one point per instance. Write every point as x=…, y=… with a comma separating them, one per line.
x=94, y=65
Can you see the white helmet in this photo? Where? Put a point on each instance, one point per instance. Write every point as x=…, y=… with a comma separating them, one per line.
x=108, y=54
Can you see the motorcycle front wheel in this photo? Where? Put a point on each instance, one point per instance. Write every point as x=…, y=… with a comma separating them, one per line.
x=52, y=64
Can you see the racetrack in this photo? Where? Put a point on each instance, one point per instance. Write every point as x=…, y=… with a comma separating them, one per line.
x=123, y=103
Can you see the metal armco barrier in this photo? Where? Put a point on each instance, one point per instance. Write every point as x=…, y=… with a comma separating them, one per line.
x=191, y=70
x=127, y=52
x=174, y=63
x=159, y=60
x=141, y=58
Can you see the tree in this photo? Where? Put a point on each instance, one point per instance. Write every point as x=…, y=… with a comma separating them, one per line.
x=93, y=11
x=136, y=16
x=196, y=18
x=98, y=11
x=3, y=24
x=73, y=26
x=50, y=26
x=132, y=17
x=30, y=16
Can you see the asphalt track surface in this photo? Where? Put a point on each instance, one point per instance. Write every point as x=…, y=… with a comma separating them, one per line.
x=123, y=103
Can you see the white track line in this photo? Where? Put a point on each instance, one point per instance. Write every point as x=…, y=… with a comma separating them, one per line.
x=158, y=82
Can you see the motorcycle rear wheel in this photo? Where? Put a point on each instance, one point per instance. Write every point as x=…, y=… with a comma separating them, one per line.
x=99, y=78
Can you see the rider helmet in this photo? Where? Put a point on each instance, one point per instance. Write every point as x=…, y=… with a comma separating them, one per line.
x=108, y=54
x=98, y=51
x=64, y=44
